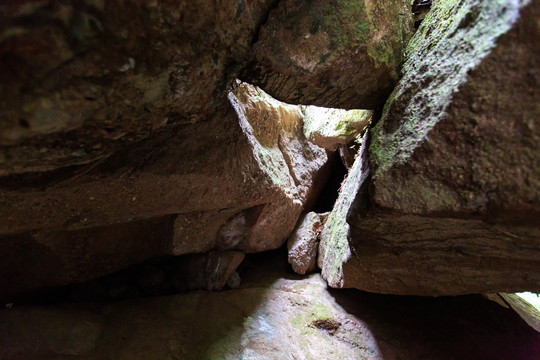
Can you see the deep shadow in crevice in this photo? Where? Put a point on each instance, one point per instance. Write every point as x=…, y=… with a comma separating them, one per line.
x=160, y=276
x=330, y=191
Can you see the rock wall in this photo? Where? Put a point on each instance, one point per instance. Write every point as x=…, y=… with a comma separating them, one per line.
x=238, y=181
x=341, y=54
x=124, y=135
x=453, y=200
x=82, y=80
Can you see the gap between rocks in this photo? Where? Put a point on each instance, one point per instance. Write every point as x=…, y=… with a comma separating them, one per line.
x=335, y=132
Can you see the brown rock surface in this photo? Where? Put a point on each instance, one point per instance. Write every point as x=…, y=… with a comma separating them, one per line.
x=333, y=128
x=342, y=54
x=238, y=181
x=453, y=202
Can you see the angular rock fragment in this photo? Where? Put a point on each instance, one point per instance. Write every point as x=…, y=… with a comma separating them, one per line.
x=329, y=128
x=521, y=303
x=238, y=181
x=454, y=198
x=342, y=54
x=304, y=243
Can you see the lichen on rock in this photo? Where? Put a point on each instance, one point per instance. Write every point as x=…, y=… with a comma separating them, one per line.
x=328, y=128
x=453, y=197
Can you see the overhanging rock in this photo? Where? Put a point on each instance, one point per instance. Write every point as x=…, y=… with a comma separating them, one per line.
x=454, y=195
x=341, y=54
x=237, y=181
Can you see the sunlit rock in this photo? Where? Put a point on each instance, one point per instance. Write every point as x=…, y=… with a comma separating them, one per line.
x=525, y=304
x=304, y=243
x=454, y=198
x=329, y=128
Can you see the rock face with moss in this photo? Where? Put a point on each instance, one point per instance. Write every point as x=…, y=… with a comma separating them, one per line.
x=455, y=185
x=238, y=181
x=329, y=128
x=332, y=53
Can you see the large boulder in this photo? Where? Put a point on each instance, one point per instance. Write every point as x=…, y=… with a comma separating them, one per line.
x=238, y=181
x=81, y=80
x=453, y=203
x=304, y=242
x=342, y=54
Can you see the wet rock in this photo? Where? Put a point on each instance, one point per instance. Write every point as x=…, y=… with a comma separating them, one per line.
x=339, y=54
x=304, y=242
x=330, y=128
x=454, y=198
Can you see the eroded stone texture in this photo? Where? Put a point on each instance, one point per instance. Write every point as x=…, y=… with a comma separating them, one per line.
x=79, y=80
x=455, y=192
x=238, y=181
x=304, y=243
x=342, y=54
x=329, y=128
x=527, y=311
x=460, y=133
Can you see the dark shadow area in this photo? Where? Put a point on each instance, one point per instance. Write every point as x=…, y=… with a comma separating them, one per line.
x=214, y=325
x=330, y=191
x=260, y=268
x=164, y=275
x=160, y=276
x=460, y=327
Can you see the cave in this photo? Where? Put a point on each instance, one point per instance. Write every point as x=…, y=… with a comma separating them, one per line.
x=274, y=179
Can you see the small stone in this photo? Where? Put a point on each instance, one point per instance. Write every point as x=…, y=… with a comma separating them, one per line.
x=303, y=244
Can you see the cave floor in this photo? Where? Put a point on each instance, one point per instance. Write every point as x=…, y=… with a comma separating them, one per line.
x=273, y=315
